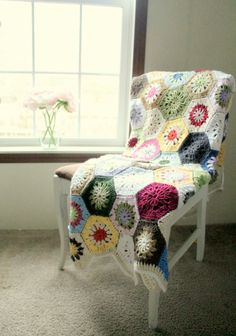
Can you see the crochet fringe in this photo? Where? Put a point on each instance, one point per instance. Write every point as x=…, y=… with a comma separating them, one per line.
x=153, y=272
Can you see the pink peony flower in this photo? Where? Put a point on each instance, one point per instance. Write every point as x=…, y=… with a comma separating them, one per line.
x=41, y=99
x=68, y=101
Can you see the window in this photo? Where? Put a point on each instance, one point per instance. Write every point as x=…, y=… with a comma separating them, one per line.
x=84, y=46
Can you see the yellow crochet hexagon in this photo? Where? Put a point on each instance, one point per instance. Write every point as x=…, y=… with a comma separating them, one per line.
x=99, y=234
x=176, y=176
x=172, y=135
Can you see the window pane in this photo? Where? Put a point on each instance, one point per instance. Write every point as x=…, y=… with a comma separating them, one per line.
x=99, y=106
x=67, y=123
x=101, y=39
x=57, y=36
x=52, y=35
x=15, y=36
x=15, y=120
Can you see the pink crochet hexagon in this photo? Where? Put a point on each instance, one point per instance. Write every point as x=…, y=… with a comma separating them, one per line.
x=156, y=200
x=149, y=150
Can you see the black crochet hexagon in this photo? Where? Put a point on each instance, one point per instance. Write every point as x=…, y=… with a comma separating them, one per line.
x=149, y=242
x=100, y=195
x=194, y=148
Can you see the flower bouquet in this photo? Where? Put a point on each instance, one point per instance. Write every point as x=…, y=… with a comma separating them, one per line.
x=50, y=102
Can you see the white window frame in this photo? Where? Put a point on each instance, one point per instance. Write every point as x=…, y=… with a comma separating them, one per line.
x=127, y=43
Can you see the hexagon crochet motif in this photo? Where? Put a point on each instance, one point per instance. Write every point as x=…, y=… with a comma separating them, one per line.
x=99, y=234
x=78, y=214
x=174, y=102
x=194, y=148
x=172, y=135
x=100, y=195
x=178, y=123
x=125, y=215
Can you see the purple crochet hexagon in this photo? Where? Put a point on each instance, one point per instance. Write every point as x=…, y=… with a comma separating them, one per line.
x=156, y=200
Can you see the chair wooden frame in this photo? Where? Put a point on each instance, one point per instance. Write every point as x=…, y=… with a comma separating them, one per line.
x=62, y=191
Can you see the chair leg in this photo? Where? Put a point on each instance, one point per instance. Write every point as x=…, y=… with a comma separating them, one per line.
x=201, y=225
x=153, y=306
x=61, y=203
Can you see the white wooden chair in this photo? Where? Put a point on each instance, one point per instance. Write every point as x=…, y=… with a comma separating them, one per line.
x=199, y=200
x=62, y=192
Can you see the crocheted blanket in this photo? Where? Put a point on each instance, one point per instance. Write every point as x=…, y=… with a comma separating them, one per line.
x=178, y=124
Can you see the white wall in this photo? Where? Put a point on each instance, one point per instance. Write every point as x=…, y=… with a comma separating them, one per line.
x=181, y=35
x=198, y=34
x=26, y=196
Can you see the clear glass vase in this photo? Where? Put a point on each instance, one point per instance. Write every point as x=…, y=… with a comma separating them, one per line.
x=49, y=137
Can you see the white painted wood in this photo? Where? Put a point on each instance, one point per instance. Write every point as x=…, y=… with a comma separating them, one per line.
x=186, y=245
x=124, y=75
x=201, y=225
x=153, y=306
x=61, y=192
x=62, y=188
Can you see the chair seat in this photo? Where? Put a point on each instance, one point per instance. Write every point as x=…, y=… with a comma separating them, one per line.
x=176, y=175
x=67, y=171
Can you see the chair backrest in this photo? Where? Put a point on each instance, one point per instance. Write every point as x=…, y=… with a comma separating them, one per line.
x=179, y=117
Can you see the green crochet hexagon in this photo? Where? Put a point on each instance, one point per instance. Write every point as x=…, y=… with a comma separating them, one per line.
x=200, y=178
x=99, y=195
x=174, y=102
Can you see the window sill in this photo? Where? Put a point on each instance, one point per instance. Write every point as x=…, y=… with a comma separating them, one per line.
x=62, y=154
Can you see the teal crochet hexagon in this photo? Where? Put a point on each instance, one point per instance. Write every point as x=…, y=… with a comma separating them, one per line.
x=174, y=79
x=78, y=214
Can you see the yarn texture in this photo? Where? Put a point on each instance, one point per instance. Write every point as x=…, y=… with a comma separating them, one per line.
x=178, y=124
